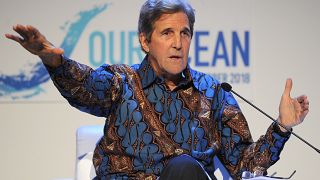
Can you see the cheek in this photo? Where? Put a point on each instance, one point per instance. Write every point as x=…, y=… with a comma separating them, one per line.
x=160, y=55
x=186, y=45
x=186, y=52
x=159, y=49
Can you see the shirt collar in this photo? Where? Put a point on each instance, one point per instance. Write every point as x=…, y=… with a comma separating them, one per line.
x=148, y=75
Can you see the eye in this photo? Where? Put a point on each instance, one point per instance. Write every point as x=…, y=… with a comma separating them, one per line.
x=186, y=33
x=166, y=33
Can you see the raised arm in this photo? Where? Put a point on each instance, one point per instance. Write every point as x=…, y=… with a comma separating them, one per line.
x=239, y=152
x=91, y=91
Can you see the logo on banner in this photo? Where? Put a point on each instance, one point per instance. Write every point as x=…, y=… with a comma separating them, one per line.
x=29, y=84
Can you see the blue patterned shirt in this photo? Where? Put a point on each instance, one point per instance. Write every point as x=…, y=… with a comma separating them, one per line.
x=147, y=124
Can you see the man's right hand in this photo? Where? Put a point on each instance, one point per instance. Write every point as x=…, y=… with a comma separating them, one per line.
x=32, y=40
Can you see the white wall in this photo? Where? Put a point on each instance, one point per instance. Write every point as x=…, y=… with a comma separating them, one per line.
x=37, y=133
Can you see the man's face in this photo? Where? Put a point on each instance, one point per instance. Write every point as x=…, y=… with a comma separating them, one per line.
x=169, y=46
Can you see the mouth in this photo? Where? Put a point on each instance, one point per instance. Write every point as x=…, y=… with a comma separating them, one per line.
x=174, y=57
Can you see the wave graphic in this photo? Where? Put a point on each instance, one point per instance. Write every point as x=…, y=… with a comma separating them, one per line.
x=26, y=85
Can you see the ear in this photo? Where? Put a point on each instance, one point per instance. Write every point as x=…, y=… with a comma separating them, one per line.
x=144, y=42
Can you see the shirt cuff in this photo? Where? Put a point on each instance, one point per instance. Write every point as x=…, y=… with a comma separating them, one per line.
x=52, y=70
x=277, y=130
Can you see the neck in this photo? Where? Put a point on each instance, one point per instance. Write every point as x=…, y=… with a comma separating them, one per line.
x=171, y=80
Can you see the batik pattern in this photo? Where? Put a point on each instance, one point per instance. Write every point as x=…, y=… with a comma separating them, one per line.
x=147, y=124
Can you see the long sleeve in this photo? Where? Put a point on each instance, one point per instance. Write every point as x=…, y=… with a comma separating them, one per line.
x=238, y=151
x=91, y=91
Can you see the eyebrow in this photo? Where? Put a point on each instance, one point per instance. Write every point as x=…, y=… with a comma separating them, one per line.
x=166, y=29
x=184, y=29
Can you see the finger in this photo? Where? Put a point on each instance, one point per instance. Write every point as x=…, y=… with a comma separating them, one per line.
x=15, y=38
x=22, y=31
x=30, y=31
x=304, y=103
x=33, y=32
x=288, y=87
x=305, y=106
x=304, y=114
x=302, y=99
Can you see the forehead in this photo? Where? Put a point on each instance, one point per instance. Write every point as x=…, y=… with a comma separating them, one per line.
x=178, y=19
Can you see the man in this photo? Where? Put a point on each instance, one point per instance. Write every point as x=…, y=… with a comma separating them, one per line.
x=164, y=119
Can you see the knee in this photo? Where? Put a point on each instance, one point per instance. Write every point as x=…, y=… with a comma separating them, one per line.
x=183, y=167
x=184, y=163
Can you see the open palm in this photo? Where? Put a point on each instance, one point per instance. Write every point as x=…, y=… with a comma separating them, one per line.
x=32, y=40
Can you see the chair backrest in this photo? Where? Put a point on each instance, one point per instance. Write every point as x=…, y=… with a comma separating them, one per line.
x=88, y=136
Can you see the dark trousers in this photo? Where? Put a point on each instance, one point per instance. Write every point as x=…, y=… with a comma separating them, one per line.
x=183, y=167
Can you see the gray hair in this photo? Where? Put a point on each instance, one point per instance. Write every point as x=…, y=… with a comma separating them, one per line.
x=151, y=11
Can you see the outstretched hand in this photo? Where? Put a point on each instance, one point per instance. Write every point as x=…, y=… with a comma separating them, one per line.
x=32, y=40
x=292, y=111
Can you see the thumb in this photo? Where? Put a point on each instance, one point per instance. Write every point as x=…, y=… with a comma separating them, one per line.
x=288, y=88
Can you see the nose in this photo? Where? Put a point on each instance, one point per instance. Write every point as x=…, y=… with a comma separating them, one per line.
x=177, y=44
